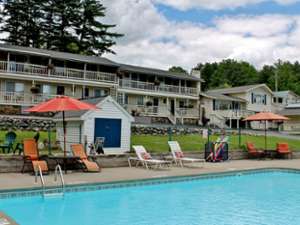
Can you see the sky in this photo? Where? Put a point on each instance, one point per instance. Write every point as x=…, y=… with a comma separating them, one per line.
x=165, y=33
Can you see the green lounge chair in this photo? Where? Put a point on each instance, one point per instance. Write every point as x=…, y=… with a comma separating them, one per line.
x=10, y=138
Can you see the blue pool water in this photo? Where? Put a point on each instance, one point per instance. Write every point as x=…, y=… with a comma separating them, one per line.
x=264, y=198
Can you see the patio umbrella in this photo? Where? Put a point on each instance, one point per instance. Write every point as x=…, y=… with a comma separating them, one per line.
x=266, y=116
x=61, y=104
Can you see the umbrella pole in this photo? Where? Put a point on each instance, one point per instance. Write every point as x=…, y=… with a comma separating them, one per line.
x=265, y=135
x=64, y=130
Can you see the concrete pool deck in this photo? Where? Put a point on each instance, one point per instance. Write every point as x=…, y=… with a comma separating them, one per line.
x=19, y=181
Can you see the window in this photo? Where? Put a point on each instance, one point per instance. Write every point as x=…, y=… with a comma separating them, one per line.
x=100, y=92
x=19, y=87
x=280, y=100
x=258, y=99
x=126, y=99
x=46, y=89
x=120, y=99
x=10, y=86
x=140, y=100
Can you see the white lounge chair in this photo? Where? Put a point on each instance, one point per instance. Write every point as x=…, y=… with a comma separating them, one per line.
x=178, y=155
x=146, y=159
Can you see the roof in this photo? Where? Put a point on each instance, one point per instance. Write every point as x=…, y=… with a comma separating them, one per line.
x=71, y=115
x=59, y=55
x=290, y=112
x=159, y=72
x=284, y=93
x=218, y=96
x=240, y=89
x=77, y=114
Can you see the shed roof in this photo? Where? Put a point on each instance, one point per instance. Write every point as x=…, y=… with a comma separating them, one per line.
x=58, y=55
x=71, y=115
x=159, y=72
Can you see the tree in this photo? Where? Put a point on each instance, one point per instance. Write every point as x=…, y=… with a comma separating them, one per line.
x=21, y=21
x=177, y=69
x=94, y=37
x=64, y=25
x=60, y=17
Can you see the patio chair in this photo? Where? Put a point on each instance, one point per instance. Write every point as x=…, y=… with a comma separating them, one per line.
x=178, y=155
x=146, y=159
x=31, y=156
x=88, y=166
x=283, y=150
x=253, y=152
x=10, y=138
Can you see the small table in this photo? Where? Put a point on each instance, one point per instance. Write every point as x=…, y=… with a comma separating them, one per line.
x=271, y=153
x=64, y=160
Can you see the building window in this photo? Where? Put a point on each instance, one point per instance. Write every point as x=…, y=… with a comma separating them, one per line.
x=46, y=89
x=97, y=93
x=280, y=100
x=19, y=87
x=120, y=99
x=259, y=99
x=10, y=86
x=140, y=100
x=125, y=99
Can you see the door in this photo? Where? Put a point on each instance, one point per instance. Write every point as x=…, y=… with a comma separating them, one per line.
x=60, y=90
x=173, y=107
x=110, y=129
x=155, y=105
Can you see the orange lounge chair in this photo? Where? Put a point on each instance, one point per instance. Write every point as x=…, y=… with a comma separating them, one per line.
x=89, y=166
x=31, y=155
x=253, y=152
x=283, y=149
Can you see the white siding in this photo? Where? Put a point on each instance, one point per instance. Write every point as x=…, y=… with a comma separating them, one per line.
x=72, y=135
x=108, y=110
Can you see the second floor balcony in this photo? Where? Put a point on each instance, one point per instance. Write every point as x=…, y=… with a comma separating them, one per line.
x=56, y=72
x=163, y=88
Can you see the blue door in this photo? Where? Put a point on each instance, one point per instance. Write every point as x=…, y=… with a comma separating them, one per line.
x=110, y=129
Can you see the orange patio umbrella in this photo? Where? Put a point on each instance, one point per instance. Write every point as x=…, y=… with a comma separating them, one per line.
x=61, y=104
x=266, y=116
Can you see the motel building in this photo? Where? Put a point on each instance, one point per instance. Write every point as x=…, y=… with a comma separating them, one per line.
x=29, y=76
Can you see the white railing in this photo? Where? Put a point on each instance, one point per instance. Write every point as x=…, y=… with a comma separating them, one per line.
x=234, y=114
x=187, y=112
x=146, y=86
x=58, y=72
x=160, y=111
x=20, y=98
x=139, y=110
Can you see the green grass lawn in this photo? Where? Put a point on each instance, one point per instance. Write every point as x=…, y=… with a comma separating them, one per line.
x=187, y=142
x=196, y=142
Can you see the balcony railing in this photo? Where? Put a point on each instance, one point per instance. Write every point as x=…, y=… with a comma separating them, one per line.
x=162, y=111
x=234, y=114
x=187, y=112
x=57, y=72
x=146, y=86
x=24, y=99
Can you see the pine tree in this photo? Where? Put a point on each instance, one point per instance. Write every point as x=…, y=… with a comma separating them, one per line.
x=94, y=37
x=22, y=22
x=58, y=26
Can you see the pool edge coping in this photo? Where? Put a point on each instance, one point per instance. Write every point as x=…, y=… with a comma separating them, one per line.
x=94, y=186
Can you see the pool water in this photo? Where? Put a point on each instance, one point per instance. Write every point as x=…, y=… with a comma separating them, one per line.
x=271, y=198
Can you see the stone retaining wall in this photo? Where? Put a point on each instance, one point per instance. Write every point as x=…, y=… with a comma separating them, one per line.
x=19, y=123
x=15, y=163
x=164, y=130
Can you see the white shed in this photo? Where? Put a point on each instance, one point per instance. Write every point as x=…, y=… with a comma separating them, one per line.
x=110, y=121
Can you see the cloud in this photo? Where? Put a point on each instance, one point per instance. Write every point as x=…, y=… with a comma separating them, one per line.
x=152, y=40
x=216, y=4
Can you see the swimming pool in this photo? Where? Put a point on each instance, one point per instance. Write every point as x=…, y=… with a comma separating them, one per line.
x=269, y=197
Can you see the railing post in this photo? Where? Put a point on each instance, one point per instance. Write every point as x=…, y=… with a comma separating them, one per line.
x=8, y=59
